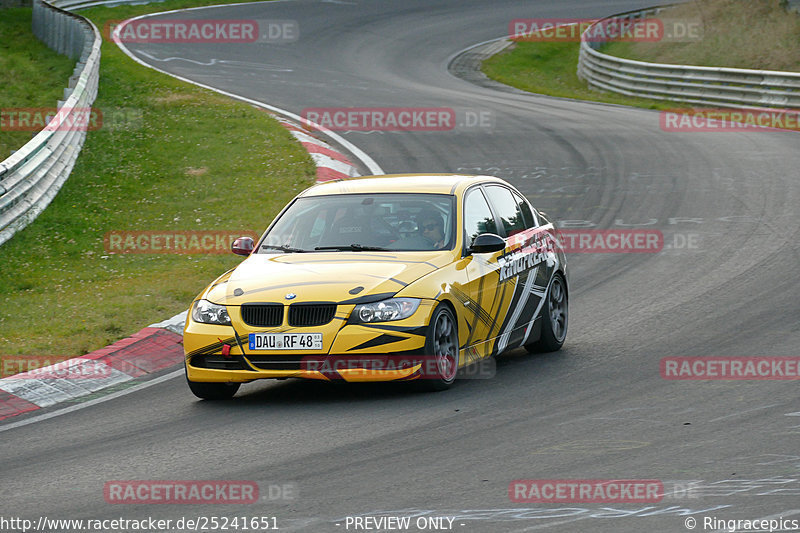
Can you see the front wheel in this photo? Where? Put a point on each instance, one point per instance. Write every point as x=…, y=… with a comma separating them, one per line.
x=213, y=391
x=440, y=363
x=555, y=315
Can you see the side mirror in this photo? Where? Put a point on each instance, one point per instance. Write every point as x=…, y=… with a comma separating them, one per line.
x=486, y=243
x=242, y=246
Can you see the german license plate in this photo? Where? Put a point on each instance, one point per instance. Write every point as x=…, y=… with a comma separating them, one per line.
x=285, y=341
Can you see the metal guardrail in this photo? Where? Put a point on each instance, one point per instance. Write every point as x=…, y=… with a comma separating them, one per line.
x=715, y=86
x=14, y=3
x=31, y=177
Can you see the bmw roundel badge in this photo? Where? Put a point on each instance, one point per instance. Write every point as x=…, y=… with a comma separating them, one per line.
x=291, y=296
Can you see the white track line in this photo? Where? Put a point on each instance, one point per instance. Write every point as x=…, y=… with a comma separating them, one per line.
x=368, y=162
x=72, y=408
x=373, y=167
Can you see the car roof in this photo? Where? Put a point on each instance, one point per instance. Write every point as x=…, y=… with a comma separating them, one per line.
x=402, y=183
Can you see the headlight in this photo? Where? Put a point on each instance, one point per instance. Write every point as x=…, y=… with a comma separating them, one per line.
x=205, y=312
x=391, y=309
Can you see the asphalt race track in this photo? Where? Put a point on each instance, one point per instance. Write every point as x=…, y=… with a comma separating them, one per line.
x=599, y=409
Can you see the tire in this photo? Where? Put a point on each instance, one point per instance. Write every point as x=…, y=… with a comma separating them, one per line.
x=440, y=365
x=555, y=317
x=213, y=391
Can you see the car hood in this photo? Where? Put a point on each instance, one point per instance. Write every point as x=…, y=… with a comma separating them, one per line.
x=340, y=277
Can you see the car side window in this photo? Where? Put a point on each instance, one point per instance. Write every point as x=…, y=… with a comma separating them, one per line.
x=478, y=218
x=527, y=212
x=508, y=209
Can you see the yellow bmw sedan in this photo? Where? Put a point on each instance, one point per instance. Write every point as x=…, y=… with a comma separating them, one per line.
x=382, y=278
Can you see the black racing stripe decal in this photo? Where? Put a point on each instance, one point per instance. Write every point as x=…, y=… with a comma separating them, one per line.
x=244, y=357
x=380, y=340
x=496, y=305
x=384, y=278
x=478, y=311
x=538, y=292
x=490, y=334
x=221, y=282
x=516, y=330
x=357, y=259
x=473, y=306
x=518, y=298
x=368, y=298
x=211, y=348
x=411, y=330
x=532, y=308
x=371, y=260
x=291, y=285
x=218, y=284
x=512, y=330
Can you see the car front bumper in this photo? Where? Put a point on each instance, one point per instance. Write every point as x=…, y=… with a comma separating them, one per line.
x=385, y=351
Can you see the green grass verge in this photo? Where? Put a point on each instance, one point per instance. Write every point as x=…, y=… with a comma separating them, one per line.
x=33, y=75
x=758, y=34
x=551, y=68
x=188, y=160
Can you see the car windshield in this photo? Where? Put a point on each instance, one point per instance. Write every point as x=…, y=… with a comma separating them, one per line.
x=363, y=222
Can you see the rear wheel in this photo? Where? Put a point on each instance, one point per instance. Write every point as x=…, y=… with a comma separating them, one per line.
x=213, y=391
x=555, y=315
x=440, y=364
